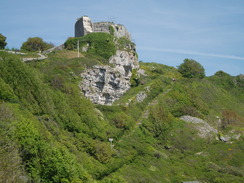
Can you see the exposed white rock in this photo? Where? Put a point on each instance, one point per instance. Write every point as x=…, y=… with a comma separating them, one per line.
x=233, y=135
x=56, y=48
x=141, y=72
x=124, y=62
x=105, y=84
x=205, y=130
x=85, y=48
x=141, y=96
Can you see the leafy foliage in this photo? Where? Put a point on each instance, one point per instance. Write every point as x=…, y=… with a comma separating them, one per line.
x=6, y=92
x=233, y=84
x=54, y=134
x=159, y=122
x=35, y=44
x=230, y=117
x=101, y=44
x=111, y=30
x=3, y=42
x=191, y=69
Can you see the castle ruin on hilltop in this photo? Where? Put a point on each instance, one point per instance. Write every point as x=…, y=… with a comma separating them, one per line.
x=104, y=84
x=84, y=26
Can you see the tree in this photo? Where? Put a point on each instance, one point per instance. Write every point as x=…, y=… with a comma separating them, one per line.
x=191, y=69
x=222, y=74
x=2, y=41
x=36, y=44
x=160, y=120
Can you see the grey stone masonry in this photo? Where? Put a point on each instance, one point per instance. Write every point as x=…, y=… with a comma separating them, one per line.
x=84, y=26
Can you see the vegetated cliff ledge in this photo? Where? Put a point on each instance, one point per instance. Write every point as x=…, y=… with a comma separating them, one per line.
x=104, y=84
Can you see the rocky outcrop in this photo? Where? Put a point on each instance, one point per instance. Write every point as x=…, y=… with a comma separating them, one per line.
x=56, y=48
x=84, y=26
x=106, y=84
x=141, y=96
x=204, y=129
x=124, y=62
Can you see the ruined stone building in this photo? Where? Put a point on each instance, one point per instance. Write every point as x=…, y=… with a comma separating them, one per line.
x=84, y=26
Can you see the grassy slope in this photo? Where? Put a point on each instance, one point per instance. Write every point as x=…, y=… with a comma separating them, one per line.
x=59, y=136
x=217, y=161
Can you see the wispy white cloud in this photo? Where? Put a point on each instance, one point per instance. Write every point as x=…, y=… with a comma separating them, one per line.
x=182, y=51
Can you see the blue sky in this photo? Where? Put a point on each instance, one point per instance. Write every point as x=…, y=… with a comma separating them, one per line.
x=165, y=31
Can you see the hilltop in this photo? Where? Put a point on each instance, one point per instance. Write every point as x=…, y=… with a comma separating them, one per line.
x=105, y=117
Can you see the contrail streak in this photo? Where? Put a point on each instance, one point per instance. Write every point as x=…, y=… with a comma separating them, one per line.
x=181, y=51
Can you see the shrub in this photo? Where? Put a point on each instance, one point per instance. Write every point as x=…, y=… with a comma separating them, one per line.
x=134, y=80
x=159, y=121
x=229, y=117
x=35, y=44
x=102, y=152
x=2, y=41
x=11, y=168
x=125, y=44
x=221, y=74
x=101, y=44
x=111, y=30
x=6, y=92
x=27, y=84
x=191, y=69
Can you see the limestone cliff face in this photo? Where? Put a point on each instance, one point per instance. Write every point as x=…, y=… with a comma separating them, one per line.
x=106, y=84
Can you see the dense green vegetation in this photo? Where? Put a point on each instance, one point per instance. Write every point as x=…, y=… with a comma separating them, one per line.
x=3, y=42
x=35, y=44
x=101, y=44
x=191, y=69
x=50, y=133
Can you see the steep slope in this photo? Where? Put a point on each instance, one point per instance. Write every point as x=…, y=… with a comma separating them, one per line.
x=54, y=133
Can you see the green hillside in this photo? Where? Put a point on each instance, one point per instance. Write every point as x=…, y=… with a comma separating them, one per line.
x=49, y=132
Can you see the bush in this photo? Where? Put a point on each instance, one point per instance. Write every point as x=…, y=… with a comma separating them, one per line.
x=111, y=30
x=221, y=74
x=27, y=84
x=36, y=44
x=101, y=44
x=2, y=41
x=160, y=120
x=6, y=92
x=191, y=69
x=229, y=117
